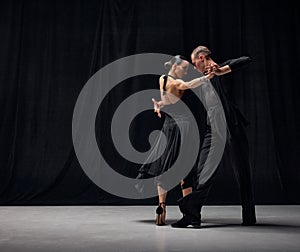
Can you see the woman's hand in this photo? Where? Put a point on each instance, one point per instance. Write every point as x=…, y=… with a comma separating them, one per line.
x=157, y=107
x=208, y=76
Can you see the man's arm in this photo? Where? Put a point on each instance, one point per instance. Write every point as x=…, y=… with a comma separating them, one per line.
x=239, y=63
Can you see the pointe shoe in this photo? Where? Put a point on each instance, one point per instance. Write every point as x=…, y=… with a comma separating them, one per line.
x=249, y=217
x=187, y=220
x=160, y=215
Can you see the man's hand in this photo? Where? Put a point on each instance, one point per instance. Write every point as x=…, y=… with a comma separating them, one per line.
x=217, y=70
x=212, y=68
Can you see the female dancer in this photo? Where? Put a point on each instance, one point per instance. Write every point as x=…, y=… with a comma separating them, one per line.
x=172, y=89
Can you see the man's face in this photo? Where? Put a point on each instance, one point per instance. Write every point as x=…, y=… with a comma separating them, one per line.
x=199, y=62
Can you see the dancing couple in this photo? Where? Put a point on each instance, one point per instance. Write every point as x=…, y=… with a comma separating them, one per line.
x=195, y=186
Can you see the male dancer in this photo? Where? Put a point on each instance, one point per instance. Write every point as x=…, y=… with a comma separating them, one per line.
x=236, y=145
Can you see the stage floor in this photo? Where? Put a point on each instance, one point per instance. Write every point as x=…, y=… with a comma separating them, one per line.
x=132, y=228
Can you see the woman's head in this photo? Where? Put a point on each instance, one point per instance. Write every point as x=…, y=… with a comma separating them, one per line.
x=177, y=66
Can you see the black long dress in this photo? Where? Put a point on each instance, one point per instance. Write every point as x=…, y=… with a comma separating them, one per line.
x=177, y=127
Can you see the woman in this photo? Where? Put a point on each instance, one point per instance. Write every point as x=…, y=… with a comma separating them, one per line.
x=172, y=90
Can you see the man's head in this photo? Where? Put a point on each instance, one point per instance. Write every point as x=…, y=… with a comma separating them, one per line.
x=200, y=57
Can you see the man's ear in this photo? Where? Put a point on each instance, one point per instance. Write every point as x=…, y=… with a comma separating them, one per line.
x=201, y=57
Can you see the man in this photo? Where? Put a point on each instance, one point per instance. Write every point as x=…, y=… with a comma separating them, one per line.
x=236, y=144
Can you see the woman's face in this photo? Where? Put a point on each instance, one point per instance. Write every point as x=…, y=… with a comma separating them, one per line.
x=181, y=70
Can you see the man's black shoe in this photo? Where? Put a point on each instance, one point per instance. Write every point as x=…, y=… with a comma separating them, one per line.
x=187, y=220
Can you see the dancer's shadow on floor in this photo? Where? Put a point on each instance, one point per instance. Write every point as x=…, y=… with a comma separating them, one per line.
x=225, y=223
x=203, y=223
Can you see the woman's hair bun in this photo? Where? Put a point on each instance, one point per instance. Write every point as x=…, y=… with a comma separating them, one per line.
x=168, y=65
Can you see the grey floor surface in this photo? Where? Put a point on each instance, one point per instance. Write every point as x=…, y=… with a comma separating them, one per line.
x=132, y=228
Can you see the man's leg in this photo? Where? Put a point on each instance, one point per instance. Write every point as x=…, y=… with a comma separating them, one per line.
x=191, y=204
x=239, y=153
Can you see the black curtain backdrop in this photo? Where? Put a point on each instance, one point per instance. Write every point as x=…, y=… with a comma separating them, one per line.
x=50, y=49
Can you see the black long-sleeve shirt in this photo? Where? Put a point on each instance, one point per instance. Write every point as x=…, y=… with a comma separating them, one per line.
x=233, y=115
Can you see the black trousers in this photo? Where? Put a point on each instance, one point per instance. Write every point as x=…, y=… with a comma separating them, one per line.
x=237, y=150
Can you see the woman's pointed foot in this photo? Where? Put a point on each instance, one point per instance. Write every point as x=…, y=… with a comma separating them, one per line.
x=161, y=214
